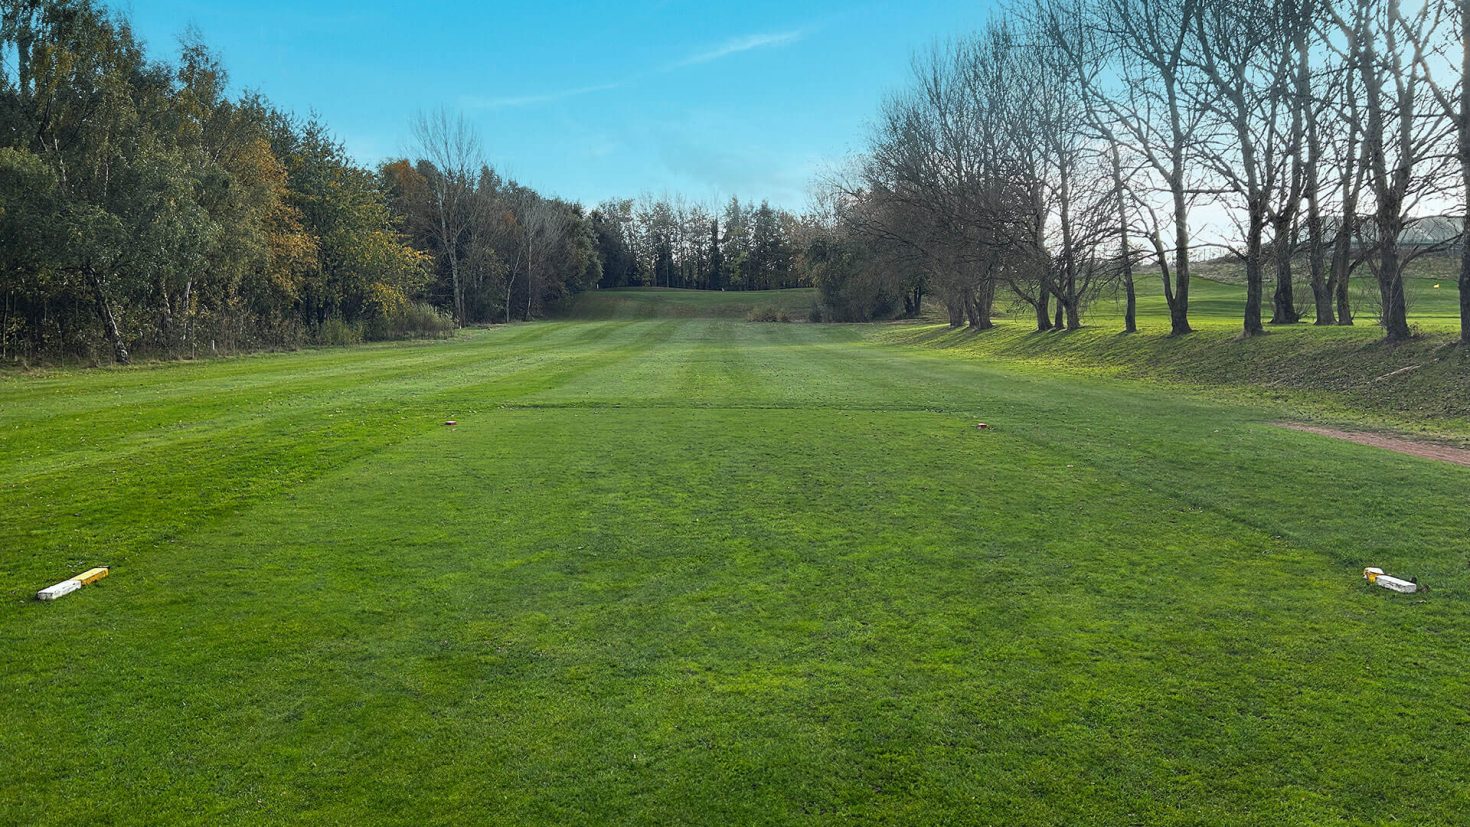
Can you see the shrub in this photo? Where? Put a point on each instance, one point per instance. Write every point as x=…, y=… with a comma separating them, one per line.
x=336, y=332
x=767, y=313
x=414, y=321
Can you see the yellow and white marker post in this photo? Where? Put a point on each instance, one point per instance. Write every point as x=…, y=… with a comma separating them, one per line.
x=66, y=587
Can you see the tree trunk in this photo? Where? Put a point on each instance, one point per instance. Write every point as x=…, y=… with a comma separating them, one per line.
x=1317, y=264
x=188, y=311
x=1130, y=313
x=1337, y=279
x=1283, y=301
x=1179, y=303
x=1465, y=288
x=1342, y=295
x=109, y=320
x=1130, y=310
x=987, y=304
x=165, y=315
x=459, y=313
x=972, y=308
x=1391, y=294
x=1464, y=142
x=1254, y=278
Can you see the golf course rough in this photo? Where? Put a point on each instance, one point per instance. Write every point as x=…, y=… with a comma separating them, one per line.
x=694, y=570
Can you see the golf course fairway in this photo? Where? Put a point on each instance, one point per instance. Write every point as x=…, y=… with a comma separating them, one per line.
x=701, y=570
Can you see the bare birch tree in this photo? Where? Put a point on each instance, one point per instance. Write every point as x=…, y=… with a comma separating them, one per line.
x=454, y=150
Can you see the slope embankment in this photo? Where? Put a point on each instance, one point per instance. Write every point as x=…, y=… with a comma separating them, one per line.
x=1329, y=374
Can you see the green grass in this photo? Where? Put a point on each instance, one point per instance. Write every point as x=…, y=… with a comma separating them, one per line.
x=699, y=570
x=1343, y=374
x=1217, y=295
x=671, y=303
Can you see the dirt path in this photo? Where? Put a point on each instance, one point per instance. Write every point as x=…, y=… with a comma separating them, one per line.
x=1412, y=447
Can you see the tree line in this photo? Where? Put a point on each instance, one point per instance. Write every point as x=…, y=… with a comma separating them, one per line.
x=1059, y=155
x=143, y=207
x=668, y=242
x=1066, y=149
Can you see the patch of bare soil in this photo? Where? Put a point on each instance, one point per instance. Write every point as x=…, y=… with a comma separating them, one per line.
x=1402, y=445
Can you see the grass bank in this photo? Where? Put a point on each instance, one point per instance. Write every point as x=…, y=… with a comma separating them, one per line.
x=1346, y=375
x=1337, y=374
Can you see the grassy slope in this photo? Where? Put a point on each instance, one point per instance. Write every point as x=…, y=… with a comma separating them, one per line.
x=680, y=570
x=1344, y=374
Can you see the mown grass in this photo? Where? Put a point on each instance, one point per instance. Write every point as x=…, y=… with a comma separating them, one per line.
x=682, y=570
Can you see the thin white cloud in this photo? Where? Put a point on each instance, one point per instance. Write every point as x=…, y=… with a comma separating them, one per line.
x=516, y=101
x=733, y=46
x=736, y=45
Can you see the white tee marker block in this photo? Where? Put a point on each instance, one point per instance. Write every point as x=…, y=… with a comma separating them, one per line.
x=61, y=589
x=1376, y=576
x=1395, y=584
x=66, y=587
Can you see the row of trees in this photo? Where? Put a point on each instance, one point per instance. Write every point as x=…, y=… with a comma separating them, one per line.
x=499, y=250
x=142, y=206
x=1063, y=152
x=667, y=242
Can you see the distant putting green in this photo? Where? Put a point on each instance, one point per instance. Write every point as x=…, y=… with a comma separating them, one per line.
x=682, y=570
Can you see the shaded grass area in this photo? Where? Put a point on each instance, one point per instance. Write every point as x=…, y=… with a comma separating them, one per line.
x=1341, y=374
x=1337, y=374
x=664, y=302
x=708, y=571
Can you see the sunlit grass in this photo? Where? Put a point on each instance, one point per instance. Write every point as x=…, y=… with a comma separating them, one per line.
x=695, y=570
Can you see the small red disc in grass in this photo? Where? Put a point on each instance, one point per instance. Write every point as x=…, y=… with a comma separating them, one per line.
x=452, y=422
x=983, y=426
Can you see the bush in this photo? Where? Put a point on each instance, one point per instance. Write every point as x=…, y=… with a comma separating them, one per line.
x=334, y=332
x=415, y=321
x=767, y=313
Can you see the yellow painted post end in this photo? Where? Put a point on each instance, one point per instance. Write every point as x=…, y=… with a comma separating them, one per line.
x=91, y=576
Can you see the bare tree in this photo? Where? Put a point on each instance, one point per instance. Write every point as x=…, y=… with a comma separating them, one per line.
x=1125, y=248
x=1453, y=48
x=1247, y=54
x=1144, y=86
x=1404, y=150
x=453, y=148
x=931, y=168
x=545, y=226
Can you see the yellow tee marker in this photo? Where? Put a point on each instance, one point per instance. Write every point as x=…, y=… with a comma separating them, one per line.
x=66, y=587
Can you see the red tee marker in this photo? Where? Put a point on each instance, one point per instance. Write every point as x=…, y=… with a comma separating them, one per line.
x=982, y=426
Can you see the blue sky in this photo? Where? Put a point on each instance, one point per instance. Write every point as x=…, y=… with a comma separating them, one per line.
x=585, y=100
